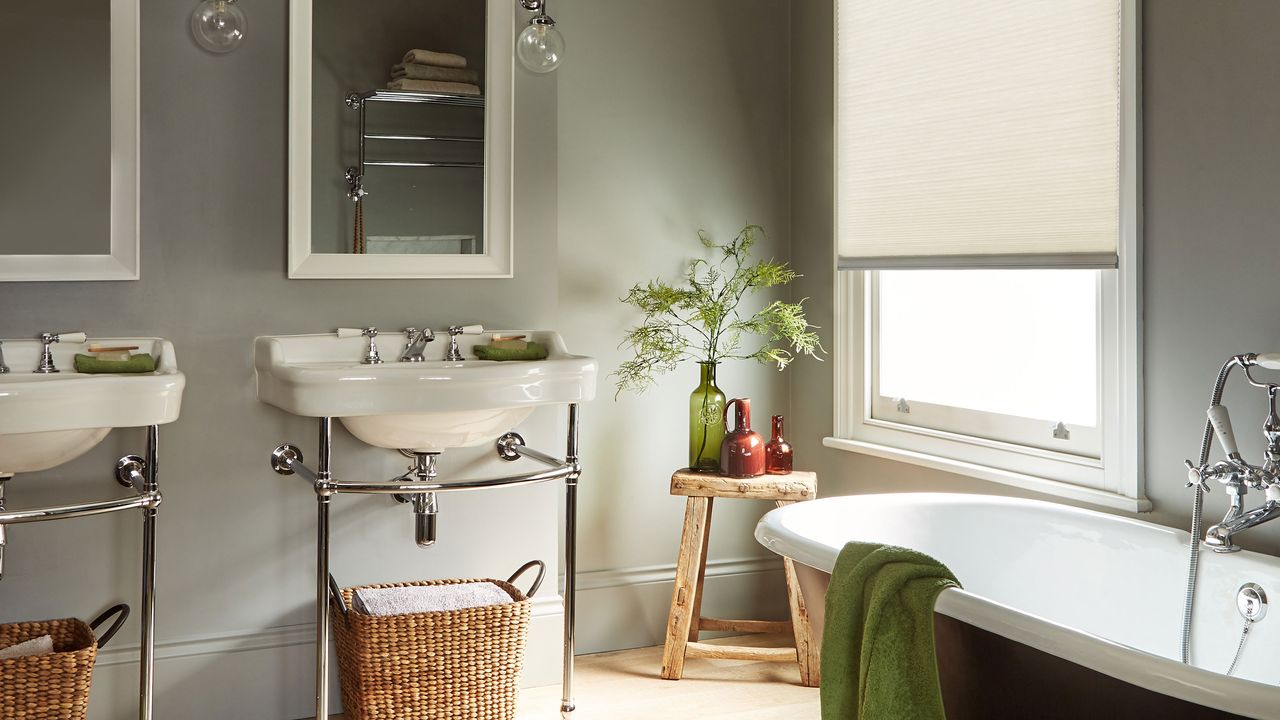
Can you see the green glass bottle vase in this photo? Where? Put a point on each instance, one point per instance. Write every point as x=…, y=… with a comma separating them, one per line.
x=706, y=421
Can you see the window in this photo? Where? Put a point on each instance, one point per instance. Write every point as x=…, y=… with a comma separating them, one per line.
x=988, y=316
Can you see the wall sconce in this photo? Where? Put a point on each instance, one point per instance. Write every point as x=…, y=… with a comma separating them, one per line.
x=540, y=46
x=218, y=25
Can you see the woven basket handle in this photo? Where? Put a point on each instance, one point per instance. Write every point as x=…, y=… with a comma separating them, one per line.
x=335, y=594
x=537, y=582
x=105, y=638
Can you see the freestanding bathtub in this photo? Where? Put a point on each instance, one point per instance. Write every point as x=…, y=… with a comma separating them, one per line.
x=1065, y=613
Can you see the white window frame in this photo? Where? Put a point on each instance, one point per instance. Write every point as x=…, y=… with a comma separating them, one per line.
x=1114, y=481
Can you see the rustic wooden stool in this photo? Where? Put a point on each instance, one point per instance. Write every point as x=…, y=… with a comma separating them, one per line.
x=686, y=600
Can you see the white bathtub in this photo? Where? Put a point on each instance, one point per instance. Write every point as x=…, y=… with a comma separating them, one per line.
x=1099, y=591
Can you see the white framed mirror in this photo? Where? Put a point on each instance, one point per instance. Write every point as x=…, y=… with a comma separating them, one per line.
x=71, y=150
x=395, y=179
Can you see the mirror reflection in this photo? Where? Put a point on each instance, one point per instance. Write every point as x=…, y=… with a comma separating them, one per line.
x=57, y=137
x=398, y=124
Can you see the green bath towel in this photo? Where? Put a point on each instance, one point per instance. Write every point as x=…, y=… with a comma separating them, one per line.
x=140, y=363
x=534, y=351
x=878, y=659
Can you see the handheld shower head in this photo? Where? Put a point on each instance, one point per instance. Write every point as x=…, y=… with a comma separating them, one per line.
x=1221, y=421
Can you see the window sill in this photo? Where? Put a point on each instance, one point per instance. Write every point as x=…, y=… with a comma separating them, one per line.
x=1089, y=496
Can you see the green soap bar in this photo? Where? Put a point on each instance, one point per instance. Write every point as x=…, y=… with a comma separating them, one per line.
x=140, y=363
x=534, y=351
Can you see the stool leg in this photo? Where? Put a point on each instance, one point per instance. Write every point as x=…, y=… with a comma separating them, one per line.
x=807, y=652
x=685, y=590
x=700, y=588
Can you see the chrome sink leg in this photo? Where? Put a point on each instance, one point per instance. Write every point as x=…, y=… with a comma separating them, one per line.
x=3, y=538
x=570, y=565
x=146, y=682
x=322, y=572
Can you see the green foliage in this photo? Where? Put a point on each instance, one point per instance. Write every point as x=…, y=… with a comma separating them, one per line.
x=699, y=320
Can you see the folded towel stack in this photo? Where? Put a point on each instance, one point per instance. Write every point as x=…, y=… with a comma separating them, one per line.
x=430, y=71
x=427, y=598
x=42, y=645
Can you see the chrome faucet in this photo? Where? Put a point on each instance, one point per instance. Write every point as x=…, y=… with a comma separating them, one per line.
x=3, y=368
x=1236, y=475
x=415, y=343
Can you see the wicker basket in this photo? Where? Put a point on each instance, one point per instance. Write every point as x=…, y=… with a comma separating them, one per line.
x=448, y=665
x=56, y=686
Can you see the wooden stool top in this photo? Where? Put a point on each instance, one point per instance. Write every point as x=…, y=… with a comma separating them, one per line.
x=799, y=485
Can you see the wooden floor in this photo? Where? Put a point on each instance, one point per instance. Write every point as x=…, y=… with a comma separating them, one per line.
x=624, y=685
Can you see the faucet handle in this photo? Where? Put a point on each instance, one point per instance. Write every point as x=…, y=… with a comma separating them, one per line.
x=1195, y=477
x=466, y=329
x=46, y=355
x=371, y=357
x=71, y=337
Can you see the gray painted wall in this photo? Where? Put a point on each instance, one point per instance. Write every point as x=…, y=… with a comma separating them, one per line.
x=670, y=120
x=55, y=65
x=620, y=158
x=1211, y=165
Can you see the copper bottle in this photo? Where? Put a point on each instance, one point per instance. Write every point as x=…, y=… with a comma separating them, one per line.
x=742, y=452
x=777, y=453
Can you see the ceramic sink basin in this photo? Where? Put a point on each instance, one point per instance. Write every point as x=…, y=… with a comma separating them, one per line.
x=47, y=420
x=427, y=406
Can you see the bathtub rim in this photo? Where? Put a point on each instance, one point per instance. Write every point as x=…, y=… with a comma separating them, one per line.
x=1157, y=673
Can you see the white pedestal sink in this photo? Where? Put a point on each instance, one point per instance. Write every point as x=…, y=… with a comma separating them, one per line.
x=47, y=420
x=427, y=406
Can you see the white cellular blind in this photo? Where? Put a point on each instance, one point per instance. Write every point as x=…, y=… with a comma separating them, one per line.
x=978, y=133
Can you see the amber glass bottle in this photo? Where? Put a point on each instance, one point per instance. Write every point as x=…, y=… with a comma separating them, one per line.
x=777, y=453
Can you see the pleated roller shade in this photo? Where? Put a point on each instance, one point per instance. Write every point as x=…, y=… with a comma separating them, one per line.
x=978, y=133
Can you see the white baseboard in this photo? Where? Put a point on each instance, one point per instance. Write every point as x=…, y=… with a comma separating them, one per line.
x=269, y=674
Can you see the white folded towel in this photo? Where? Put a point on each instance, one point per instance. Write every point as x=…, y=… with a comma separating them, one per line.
x=42, y=645
x=435, y=86
x=428, y=598
x=439, y=59
x=432, y=72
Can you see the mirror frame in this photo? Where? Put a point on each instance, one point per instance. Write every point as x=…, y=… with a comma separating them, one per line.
x=122, y=261
x=496, y=261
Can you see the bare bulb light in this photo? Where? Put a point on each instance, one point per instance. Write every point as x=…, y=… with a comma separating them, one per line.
x=218, y=25
x=540, y=46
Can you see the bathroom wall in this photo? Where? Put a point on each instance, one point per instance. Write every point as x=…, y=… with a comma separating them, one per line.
x=621, y=157
x=1211, y=164
x=670, y=120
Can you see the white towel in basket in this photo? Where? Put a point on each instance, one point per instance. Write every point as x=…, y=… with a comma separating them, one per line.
x=42, y=645
x=427, y=598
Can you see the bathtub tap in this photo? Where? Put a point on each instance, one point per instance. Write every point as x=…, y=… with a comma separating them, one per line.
x=1236, y=475
x=1218, y=537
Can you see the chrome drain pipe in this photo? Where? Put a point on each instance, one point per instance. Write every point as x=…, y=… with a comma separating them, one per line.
x=425, y=509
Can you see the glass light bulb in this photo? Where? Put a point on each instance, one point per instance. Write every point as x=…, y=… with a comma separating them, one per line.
x=540, y=47
x=218, y=25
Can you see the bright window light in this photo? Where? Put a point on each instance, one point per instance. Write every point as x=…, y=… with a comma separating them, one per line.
x=1022, y=343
